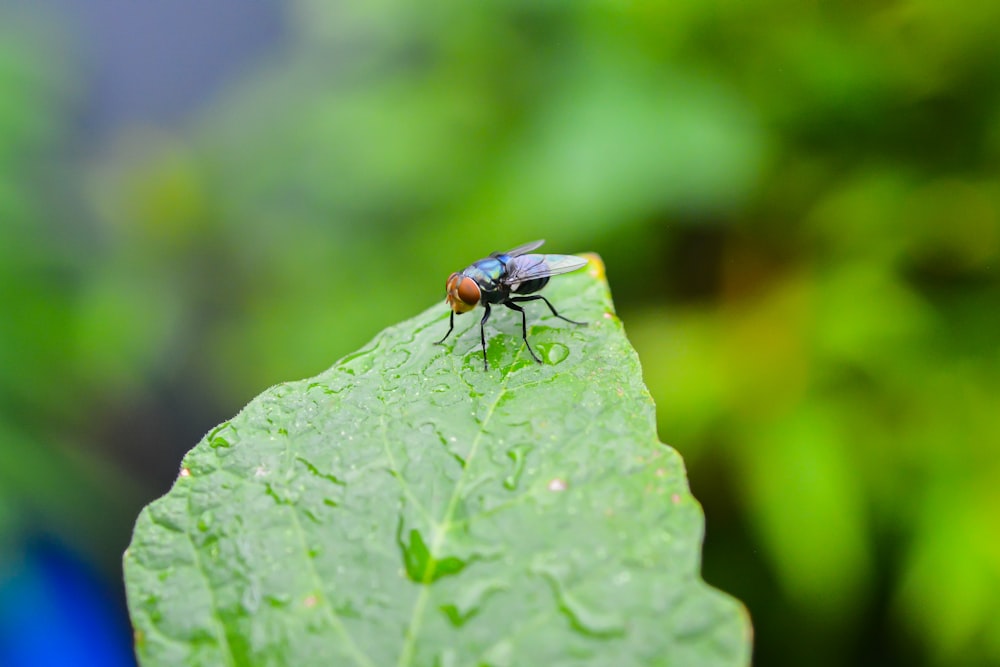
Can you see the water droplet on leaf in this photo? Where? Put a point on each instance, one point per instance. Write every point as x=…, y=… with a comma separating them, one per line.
x=470, y=600
x=553, y=353
x=205, y=521
x=518, y=455
x=582, y=617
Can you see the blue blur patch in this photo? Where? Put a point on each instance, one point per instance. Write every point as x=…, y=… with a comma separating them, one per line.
x=55, y=612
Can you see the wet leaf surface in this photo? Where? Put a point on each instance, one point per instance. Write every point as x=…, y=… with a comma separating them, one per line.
x=407, y=507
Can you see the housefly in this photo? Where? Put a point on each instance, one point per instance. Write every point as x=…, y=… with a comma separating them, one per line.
x=504, y=278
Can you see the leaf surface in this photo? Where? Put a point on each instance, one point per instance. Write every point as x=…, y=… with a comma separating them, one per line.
x=408, y=508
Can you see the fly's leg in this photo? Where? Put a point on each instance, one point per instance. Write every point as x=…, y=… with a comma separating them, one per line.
x=451, y=325
x=524, y=326
x=482, y=334
x=534, y=297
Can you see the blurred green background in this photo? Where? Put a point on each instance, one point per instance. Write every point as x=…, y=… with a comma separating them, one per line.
x=798, y=204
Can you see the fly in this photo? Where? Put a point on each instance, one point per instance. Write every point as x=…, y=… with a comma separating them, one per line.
x=503, y=278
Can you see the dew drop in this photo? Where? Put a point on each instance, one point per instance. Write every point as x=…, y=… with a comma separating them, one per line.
x=518, y=455
x=591, y=622
x=277, y=600
x=395, y=359
x=205, y=521
x=499, y=655
x=554, y=353
x=470, y=600
x=251, y=599
x=582, y=618
x=447, y=658
x=359, y=362
x=218, y=442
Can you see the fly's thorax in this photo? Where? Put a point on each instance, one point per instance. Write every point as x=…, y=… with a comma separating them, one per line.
x=463, y=293
x=487, y=274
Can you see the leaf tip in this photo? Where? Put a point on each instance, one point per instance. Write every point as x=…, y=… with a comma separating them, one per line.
x=595, y=265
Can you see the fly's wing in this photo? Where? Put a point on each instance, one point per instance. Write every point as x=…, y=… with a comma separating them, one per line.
x=526, y=248
x=530, y=267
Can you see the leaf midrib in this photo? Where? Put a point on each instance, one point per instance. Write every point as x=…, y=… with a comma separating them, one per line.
x=441, y=533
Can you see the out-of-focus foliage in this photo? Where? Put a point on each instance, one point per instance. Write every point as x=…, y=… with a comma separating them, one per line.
x=47, y=483
x=797, y=203
x=56, y=495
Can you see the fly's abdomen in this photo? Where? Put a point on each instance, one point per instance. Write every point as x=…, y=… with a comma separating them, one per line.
x=529, y=286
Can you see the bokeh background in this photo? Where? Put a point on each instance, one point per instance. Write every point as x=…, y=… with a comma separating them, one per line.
x=798, y=204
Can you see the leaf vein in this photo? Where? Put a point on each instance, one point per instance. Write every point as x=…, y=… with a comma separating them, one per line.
x=359, y=656
x=441, y=532
x=220, y=627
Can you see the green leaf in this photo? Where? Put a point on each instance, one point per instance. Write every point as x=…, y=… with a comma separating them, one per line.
x=407, y=507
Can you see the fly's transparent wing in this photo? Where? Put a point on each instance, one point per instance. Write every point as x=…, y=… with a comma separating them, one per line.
x=526, y=248
x=529, y=267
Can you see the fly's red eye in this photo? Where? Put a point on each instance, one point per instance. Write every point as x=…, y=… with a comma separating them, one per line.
x=468, y=291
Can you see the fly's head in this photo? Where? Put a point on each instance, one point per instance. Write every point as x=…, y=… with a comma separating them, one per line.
x=463, y=293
